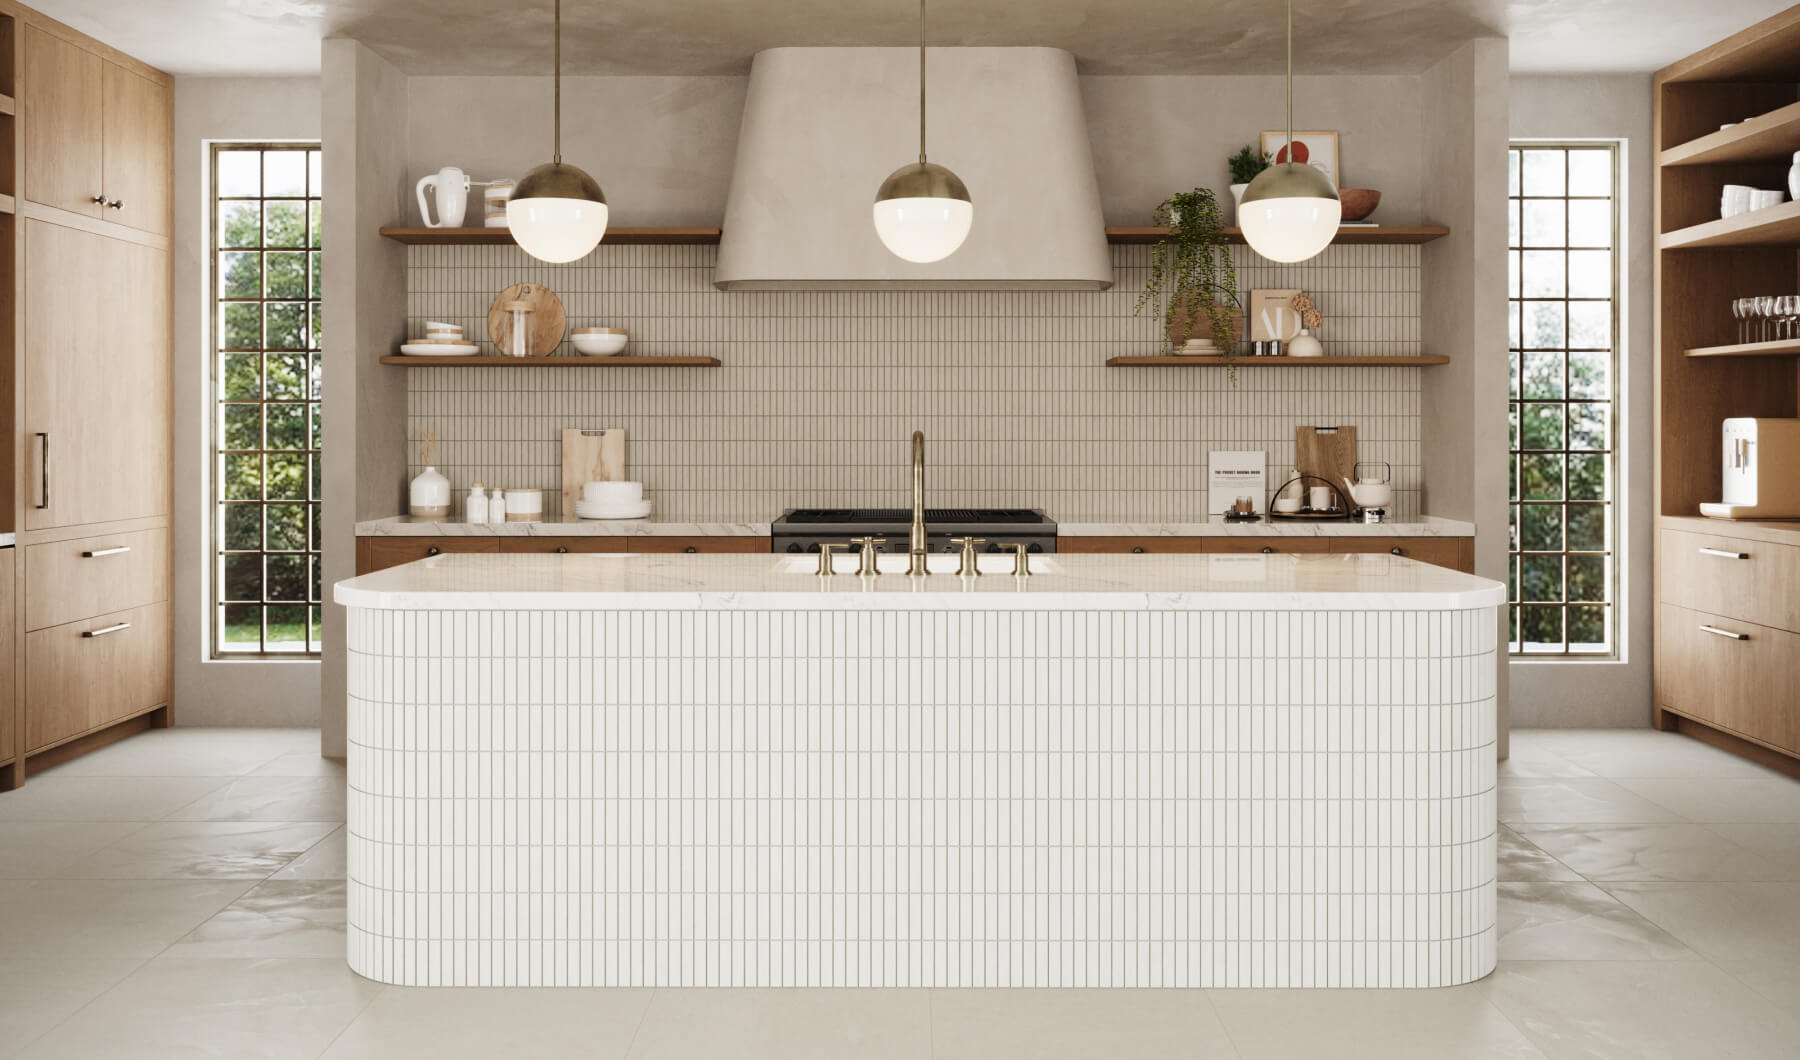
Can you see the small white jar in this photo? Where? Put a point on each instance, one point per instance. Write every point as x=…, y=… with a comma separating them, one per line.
x=475, y=509
x=524, y=506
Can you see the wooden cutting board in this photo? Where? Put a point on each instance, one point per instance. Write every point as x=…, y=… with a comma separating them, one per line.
x=548, y=321
x=590, y=456
x=1328, y=452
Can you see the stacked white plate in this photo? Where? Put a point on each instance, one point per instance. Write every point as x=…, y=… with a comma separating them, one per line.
x=633, y=510
x=1197, y=348
x=439, y=349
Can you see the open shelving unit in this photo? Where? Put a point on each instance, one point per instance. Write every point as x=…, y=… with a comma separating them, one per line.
x=1215, y=361
x=498, y=237
x=619, y=361
x=1773, y=348
x=1351, y=235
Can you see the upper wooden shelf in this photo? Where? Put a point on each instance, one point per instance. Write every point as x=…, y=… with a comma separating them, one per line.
x=553, y=362
x=1774, y=226
x=1352, y=234
x=1777, y=348
x=1770, y=137
x=1767, y=51
x=8, y=105
x=1215, y=361
x=503, y=237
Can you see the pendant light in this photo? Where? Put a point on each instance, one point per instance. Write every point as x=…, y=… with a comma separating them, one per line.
x=1290, y=211
x=558, y=212
x=923, y=212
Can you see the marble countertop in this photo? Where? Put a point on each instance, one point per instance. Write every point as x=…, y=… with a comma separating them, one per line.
x=660, y=582
x=1218, y=527
x=403, y=526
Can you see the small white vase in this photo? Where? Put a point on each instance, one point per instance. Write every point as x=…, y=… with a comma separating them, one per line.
x=1305, y=345
x=1237, y=200
x=429, y=495
x=1794, y=178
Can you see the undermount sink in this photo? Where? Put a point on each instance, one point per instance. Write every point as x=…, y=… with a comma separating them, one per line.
x=936, y=563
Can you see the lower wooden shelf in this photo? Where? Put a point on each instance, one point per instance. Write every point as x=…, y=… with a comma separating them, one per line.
x=1173, y=361
x=1777, y=348
x=553, y=362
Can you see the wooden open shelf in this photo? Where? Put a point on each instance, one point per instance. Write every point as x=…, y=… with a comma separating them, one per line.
x=1771, y=137
x=1356, y=235
x=503, y=237
x=1774, y=226
x=1777, y=348
x=553, y=362
x=1215, y=361
x=8, y=204
x=8, y=105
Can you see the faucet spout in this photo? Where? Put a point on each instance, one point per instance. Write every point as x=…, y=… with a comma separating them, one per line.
x=915, y=537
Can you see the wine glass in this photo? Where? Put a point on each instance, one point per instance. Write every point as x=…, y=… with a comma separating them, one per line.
x=1765, y=308
x=1740, y=312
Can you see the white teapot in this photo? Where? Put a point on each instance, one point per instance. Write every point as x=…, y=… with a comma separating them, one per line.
x=450, y=186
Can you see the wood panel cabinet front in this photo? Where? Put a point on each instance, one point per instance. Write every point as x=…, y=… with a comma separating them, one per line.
x=136, y=145
x=1751, y=580
x=538, y=545
x=1128, y=545
x=1266, y=545
x=698, y=544
x=384, y=552
x=60, y=106
x=1729, y=673
x=88, y=674
x=1441, y=551
x=97, y=379
x=69, y=580
x=8, y=676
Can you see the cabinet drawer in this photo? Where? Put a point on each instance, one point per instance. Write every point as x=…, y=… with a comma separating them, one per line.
x=1750, y=580
x=87, y=674
x=1266, y=545
x=1128, y=545
x=384, y=552
x=562, y=544
x=1442, y=551
x=698, y=544
x=1748, y=685
x=70, y=580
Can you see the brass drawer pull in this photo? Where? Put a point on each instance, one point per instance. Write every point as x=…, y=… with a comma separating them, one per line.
x=1724, y=553
x=103, y=631
x=113, y=551
x=433, y=550
x=562, y=548
x=1397, y=550
x=690, y=549
x=1268, y=550
x=1137, y=550
x=1726, y=633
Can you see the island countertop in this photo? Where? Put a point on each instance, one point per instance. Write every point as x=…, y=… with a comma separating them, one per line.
x=405, y=526
x=624, y=581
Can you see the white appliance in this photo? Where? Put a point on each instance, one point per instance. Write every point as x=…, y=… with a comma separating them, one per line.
x=1761, y=470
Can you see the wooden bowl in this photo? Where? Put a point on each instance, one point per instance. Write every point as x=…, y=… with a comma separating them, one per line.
x=1358, y=202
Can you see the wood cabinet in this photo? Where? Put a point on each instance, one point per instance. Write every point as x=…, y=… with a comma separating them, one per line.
x=1751, y=580
x=1268, y=546
x=89, y=674
x=1457, y=553
x=697, y=544
x=96, y=135
x=1730, y=674
x=69, y=580
x=8, y=646
x=557, y=545
x=97, y=378
x=1129, y=545
x=379, y=553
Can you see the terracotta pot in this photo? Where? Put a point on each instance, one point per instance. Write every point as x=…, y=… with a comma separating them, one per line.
x=1358, y=202
x=1188, y=320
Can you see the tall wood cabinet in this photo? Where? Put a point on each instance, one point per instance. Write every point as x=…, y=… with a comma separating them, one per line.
x=85, y=349
x=1727, y=617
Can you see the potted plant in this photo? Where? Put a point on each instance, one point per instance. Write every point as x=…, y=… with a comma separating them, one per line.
x=1245, y=165
x=1193, y=269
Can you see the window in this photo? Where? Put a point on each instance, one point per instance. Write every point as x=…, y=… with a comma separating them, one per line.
x=1563, y=280
x=266, y=271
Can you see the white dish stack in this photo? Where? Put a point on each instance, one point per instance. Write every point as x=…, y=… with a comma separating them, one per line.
x=441, y=340
x=612, y=500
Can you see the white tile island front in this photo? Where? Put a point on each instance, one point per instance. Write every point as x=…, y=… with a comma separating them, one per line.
x=1123, y=771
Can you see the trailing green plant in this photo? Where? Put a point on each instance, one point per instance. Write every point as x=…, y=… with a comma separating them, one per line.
x=1191, y=264
x=1246, y=164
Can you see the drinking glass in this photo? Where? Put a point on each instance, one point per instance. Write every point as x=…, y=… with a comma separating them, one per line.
x=1737, y=314
x=1765, y=308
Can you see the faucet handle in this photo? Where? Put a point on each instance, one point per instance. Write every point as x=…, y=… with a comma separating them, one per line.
x=869, y=552
x=1021, y=559
x=825, y=550
x=969, y=556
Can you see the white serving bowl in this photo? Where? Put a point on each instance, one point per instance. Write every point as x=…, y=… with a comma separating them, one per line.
x=612, y=494
x=598, y=342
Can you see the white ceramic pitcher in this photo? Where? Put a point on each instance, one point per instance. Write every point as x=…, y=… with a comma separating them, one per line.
x=450, y=186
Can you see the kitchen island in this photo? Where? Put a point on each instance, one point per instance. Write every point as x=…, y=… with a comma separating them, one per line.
x=718, y=770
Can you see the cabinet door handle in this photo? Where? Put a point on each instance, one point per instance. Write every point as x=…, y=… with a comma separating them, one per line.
x=690, y=548
x=98, y=200
x=562, y=548
x=104, y=630
x=116, y=204
x=1268, y=550
x=43, y=469
x=1397, y=550
x=1137, y=550
x=1726, y=633
x=1724, y=553
x=113, y=551
x=433, y=550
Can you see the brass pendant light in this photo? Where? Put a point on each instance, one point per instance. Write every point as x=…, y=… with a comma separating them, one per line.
x=923, y=211
x=1290, y=212
x=558, y=212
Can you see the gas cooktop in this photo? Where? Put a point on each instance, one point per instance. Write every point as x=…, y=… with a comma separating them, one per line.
x=813, y=516
x=803, y=529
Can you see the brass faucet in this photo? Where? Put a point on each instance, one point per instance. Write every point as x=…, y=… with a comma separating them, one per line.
x=915, y=537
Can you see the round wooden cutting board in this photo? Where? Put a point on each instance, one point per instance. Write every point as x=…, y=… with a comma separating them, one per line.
x=548, y=321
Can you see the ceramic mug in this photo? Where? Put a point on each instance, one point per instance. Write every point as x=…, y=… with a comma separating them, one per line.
x=1319, y=498
x=450, y=187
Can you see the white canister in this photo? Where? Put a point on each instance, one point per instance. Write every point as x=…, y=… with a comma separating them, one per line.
x=429, y=495
x=493, y=203
x=475, y=508
x=1320, y=498
x=524, y=506
x=1305, y=344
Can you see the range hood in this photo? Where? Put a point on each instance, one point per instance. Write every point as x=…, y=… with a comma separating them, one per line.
x=823, y=127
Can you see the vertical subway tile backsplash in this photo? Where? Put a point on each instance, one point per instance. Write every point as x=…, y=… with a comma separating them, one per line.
x=820, y=390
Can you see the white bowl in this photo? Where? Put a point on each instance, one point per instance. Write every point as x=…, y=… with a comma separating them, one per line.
x=596, y=343
x=612, y=494
x=584, y=510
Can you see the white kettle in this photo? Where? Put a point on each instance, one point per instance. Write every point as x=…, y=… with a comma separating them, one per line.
x=450, y=186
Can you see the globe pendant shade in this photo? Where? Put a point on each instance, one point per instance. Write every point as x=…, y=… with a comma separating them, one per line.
x=1290, y=212
x=557, y=213
x=923, y=213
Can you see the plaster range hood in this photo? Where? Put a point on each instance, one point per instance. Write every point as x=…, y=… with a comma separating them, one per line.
x=823, y=127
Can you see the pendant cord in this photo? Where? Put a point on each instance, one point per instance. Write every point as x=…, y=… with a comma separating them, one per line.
x=1290, y=80
x=921, y=82
x=557, y=48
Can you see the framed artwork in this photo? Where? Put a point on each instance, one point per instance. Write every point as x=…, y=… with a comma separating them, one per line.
x=1272, y=315
x=1314, y=148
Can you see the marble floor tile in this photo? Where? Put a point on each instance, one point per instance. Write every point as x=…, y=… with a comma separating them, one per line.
x=1673, y=852
x=1641, y=753
x=1723, y=921
x=1639, y=1010
x=1521, y=861
x=1777, y=842
x=270, y=799
x=1529, y=759
x=1574, y=801
x=448, y=1023
x=185, y=752
x=31, y=850
x=185, y=1007
x=300, y=764
x=1368, y=1025
x=280, y=918
x=1578, y=922
x=325, y=860
x=1075, y=1024
x=1776, y=979
x=74, y=798
x=785, y=1025
x=38, y=994
x=220, y=850
x=1765, y=798
x=106, y=918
